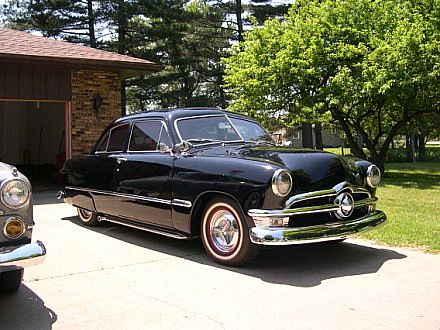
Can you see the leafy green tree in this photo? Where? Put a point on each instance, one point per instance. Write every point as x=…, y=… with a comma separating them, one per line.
x=369, y=66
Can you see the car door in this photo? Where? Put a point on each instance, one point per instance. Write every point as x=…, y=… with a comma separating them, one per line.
x=102, y=167
x=144, y=175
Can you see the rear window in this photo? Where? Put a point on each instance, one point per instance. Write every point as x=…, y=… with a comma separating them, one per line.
x=118, y=136
x=102, y=146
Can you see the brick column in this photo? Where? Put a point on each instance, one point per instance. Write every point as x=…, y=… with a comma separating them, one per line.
x=88, y=124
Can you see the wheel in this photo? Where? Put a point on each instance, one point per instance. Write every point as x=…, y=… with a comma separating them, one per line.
x=88, y=218
x=225, y=233
x=10, y=281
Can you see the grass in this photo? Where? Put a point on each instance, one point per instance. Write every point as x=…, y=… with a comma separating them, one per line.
x=410, y=196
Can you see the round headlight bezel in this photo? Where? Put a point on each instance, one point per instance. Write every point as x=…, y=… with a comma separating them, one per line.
x=275, y=183
x=3, y=191
x=370, y=174
x=8, y=222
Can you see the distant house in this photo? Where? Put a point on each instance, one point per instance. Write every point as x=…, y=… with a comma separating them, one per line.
x=293, y=137
x=57, y=97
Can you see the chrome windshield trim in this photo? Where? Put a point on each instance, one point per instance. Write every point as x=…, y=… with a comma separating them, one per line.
x=239, y=134
x=130, y=196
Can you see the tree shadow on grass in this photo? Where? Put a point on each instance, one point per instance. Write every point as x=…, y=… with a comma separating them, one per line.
x=297, y=265
x=411, y=180
x=25, y=310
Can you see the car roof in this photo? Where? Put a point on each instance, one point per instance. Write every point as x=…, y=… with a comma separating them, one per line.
x=176, y=113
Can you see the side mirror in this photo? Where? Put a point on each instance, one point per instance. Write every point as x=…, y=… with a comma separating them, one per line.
x=163, y=148
x=184, y=146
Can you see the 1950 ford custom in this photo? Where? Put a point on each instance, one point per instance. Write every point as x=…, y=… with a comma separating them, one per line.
x=206, y=172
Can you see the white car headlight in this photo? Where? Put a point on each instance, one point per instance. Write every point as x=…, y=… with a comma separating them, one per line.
x=373, y=176
x=15, y=193
x=281, y=183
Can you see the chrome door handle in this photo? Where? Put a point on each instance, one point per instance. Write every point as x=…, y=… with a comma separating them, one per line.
x=121, y=160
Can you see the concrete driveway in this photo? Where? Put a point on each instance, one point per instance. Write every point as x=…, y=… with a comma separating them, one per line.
x=114, y=277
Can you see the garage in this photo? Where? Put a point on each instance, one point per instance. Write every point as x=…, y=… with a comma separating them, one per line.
x=55, y=100
x=33, y=137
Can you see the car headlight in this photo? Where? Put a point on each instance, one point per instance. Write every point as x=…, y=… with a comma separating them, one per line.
x=281, y=183
x=15, y=193
x=373, y=176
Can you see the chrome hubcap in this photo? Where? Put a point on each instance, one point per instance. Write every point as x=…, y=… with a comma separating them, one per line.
x=224, y=231
x=86, y=215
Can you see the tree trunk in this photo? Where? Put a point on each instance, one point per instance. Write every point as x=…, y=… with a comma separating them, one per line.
x=422, y=147
x=307, y=136
x=408, y=147
x=91, y=18
x=122, y=30
x=318, y=136
x=238, y=12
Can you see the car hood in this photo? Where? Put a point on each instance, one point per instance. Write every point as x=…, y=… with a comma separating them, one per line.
x=310, y=169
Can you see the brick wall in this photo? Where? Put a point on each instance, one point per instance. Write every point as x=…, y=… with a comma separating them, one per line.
x=88, y=124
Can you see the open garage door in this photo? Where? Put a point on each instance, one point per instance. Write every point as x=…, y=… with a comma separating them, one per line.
x=33, y=138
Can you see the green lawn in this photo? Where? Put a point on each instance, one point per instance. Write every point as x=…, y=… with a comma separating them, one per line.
x=410, y=196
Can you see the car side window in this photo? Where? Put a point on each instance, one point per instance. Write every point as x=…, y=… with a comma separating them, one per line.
x=165, y=138
x=118, y=136
x=102, y=146
x=146, y=135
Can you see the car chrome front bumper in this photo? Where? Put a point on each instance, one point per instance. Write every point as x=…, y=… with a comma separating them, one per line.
x=23, y=255
x=318, y=233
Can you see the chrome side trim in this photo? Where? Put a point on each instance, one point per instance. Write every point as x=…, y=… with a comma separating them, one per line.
x=111, y=193
x=22, y=255
x=150, y=230
x=318, y=233
x=181, y=202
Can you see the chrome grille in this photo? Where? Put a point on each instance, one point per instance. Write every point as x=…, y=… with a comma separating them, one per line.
x=322, y=201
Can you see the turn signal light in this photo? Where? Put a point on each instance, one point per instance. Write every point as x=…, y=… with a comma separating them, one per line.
x=13, y=228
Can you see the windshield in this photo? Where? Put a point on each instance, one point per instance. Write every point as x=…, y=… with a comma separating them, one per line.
x=201, y=130
x=207, y=129
x=251, y=131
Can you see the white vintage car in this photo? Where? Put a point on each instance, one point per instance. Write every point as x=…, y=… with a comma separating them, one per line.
x=16, y=223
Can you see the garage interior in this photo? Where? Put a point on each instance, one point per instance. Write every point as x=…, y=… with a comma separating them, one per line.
x=32, y=137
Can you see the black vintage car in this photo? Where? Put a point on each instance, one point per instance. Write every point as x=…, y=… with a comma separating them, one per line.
x=16, y=224
x=206, y=172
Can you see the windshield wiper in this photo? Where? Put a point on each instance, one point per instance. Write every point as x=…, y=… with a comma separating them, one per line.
x=261, y=142
x=203, y=140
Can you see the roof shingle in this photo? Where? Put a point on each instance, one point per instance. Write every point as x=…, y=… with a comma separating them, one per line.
x=17, y=44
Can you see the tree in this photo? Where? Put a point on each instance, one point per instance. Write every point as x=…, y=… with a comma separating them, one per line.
x=74, y=21
x=188, y=39
x=369, y=66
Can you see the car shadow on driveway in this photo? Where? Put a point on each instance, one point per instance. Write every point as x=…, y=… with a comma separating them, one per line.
x=25, y=310
x=304, y=265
